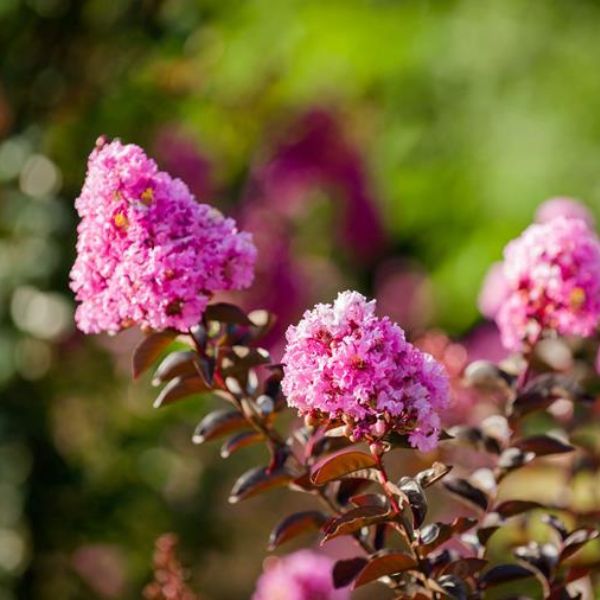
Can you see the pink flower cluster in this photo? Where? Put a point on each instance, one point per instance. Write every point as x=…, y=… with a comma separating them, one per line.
x=304, y=575
x=344, y=363
x=147, y=252
x=552, y=279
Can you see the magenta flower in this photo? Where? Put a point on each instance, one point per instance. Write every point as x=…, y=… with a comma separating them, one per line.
x=553, y=276
x=304, y=575
x=563, y=207
x=147, y=252
x=344, y=363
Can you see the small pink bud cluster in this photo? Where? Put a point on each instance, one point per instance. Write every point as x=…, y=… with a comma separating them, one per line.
x=147, y=252
x=551, y=282
x=343, y=363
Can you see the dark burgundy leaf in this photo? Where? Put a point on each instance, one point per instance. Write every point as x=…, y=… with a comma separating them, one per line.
x=510, y=508
x=350, y=487
x=369, y=500
x=453, y=587
x=416, y=499
x=543, y=445
x=468, y=492
x=226, y=313
x=180, y=387
x=295, y=525
x=542, y=558
x=504, y=574
x=513, y=458
x=435, y=534
x=345, y=571
x=386, y=564
x=149, y=349
x=557, y=525
x=238, y=441
x=175, y=364
x=218, y=423
x=335, y=466
x=258, y=480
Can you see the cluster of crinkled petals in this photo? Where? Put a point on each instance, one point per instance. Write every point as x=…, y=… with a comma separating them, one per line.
x=304, y=575
x=552, y=273
x=342, y=362
x=147, y=252
x=562, y=206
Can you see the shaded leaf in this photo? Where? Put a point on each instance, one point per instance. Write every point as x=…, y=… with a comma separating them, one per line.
x=504, y=574
x=349, y=487
x=386, y=564
x=180, y=387
x=416, y=498
x=369, y=500
x=543, y=445
x=453, y=587
x=468, y=492
x=353, y=520
x=345, y=571
x=226, y=313
x=149, y=349
x=510, y=508
x=218, y=423
x=239, y=441
x=339, y=464
x=557, y=525
x=435, y=534
x=258, y=480
x=175, y=364
x=295, y=525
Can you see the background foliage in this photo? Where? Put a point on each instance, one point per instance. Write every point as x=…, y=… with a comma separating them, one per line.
x=452, y=119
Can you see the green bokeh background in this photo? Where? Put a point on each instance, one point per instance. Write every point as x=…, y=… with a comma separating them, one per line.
x=467, y=113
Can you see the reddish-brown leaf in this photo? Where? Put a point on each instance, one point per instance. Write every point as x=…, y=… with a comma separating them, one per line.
x=386, y=564
x=576, y=541
x=504, y=574
x=238, y=441
x=435, y=534
x=353, y=520
x=256, y=481
x=467, y=492
x=218, y=423
x=334, y=466
x=180, y=387
x=465, y=567
x=149, y=349
x=430, y=476
x=294, y=525
x=175, y=364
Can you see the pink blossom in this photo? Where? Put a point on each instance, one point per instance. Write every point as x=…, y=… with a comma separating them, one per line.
x=304, y=575
x=493, y=291
x=342, y=362
x=553, y=274
x=563, y=207
x=148, y=253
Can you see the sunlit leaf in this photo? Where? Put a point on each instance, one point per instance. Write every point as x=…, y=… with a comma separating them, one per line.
x=430, y=476
x=354, y=520
x=176, y=364
x=218, y=423
x=334, y=466
x=239, y=441
x=386, y=564
x=576, y=540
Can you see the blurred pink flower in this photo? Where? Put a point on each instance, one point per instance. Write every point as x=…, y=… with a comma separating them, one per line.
x=102, y=566
x=493, y=292
x=553, y=274
x=345, y=363
x=563, y=207
x=304, y=575
x=180, y=156
x=147, y=252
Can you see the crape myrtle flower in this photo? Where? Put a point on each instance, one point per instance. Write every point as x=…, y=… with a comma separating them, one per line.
x=303, y=575
x=552, y=272
x=563, y=207
x=147, y=252
x=344, y=363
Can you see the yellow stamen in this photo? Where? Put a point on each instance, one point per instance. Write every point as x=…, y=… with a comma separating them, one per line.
x=577, y=297
x=147, y=196
x=121, y=221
